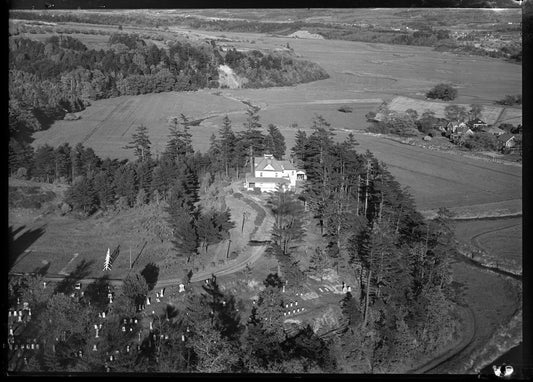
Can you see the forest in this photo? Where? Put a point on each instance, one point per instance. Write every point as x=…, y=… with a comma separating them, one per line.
x=370, y=230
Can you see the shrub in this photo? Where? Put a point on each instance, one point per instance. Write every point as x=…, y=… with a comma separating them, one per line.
x=510, y=100
x=233, y=255
x=442, y=91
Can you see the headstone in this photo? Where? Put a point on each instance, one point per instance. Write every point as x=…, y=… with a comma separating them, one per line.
x=157, y=299
x=350, y=289
x=162, y=292
x=296, y=303
x=182, y=288
x=182, y=337
x=94, y=347
x=147, y=300
x=294, y=312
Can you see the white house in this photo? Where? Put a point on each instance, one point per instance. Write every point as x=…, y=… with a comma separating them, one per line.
x=269, y=172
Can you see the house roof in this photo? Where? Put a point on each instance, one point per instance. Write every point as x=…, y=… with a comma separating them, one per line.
x=267, y=180
x=494, y=130
x=287, y=165
x=268, y=163
x=505, y=137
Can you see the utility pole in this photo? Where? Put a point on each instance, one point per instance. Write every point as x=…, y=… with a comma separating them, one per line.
x=227, y=251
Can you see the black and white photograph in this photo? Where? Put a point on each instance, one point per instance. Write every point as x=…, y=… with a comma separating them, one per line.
x=265, y=191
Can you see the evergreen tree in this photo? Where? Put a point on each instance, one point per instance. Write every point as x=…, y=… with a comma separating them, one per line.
x=298, y=150
x=140, y=143
x=62, y=162
x=104, y=189
x=227, y=144
x=275, y=142
x=44, y=163
x=125, y=183
x=180, y=140
x=82, y=196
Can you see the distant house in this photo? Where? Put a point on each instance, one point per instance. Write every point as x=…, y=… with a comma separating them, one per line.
x=477, y=124
x=455, y=128
x=507, y=140
x=493, y=130
x=440, y=124
x=269, y=172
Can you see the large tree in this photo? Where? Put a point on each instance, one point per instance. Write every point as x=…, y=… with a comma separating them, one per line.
x=140, y=143
x=275, y=142
x=288, y=213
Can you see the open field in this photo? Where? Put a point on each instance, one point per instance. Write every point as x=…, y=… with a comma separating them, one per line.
x=500, y=240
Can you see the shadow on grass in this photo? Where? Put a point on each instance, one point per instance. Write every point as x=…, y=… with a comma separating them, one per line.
x=83, y=269
x=16, y=247
x=42, y=271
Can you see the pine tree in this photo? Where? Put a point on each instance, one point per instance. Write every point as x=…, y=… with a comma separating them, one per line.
x=140, y=143
x=298, y=150
x=82, y=196
x=227, y=144
x=275, y=142
x=125, y=183
x=180, y=140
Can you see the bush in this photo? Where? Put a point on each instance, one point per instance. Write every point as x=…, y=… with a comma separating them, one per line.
x=233, y=255
x=510, y=100
x=442, y=91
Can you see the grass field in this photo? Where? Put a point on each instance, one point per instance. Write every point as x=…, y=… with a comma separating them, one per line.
x=500, y=239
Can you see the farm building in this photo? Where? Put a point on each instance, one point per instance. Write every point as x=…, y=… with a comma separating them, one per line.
x=493, y=130
x=476, y=124
x=507, y=140
x=456, y=128
x=268, y=173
